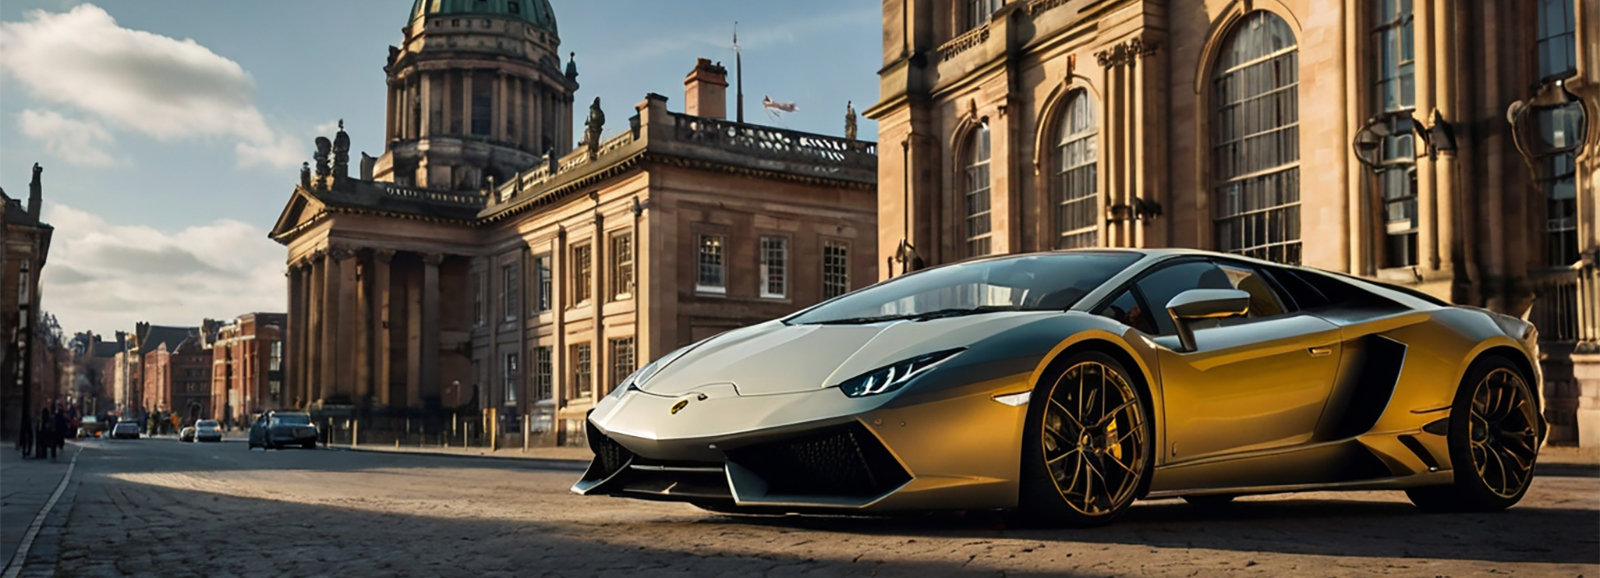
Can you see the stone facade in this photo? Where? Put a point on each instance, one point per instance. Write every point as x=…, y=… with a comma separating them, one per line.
x=536, y=296
x=24, y=248
x=247, y=366
x=1275, y=128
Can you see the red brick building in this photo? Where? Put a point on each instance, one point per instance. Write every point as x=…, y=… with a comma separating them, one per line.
x=246, y=365
x=177, y=372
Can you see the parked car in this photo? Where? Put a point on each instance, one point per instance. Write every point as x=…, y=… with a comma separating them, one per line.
x=206, y=430
x=275, y=429
x=125, y=430
x=186, y=434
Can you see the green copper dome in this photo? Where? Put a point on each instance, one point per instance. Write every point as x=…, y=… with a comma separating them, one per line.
x=535, y=12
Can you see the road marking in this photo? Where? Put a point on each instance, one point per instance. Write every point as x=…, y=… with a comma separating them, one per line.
x=18, y=559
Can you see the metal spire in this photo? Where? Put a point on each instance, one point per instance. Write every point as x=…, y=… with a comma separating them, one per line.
x=738, y=72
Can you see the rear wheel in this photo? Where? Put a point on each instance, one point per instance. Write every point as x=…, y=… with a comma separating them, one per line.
x=1087, y=443
x=1493, y=439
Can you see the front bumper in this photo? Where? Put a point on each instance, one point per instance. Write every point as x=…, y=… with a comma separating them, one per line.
x=818, y=450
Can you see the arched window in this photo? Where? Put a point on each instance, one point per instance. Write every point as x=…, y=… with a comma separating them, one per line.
x=1074, y=186
x=975, y=189
x=1256, y=136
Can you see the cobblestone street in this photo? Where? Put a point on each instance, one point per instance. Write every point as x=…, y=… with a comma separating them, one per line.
x=158, y=507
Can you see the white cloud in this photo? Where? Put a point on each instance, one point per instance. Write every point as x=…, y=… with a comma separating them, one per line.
x=74, y=141
x=135, y=80
x=106, y=276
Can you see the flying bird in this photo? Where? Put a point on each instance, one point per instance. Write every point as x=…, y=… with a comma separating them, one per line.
x=767, y=102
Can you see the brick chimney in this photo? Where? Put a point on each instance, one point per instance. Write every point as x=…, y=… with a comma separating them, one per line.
x=705, y=91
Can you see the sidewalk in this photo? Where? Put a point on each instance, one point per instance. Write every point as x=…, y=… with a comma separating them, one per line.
x=536, y=453
x=25, y=487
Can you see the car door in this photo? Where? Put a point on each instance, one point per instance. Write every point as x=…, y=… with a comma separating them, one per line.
x=1252, y=383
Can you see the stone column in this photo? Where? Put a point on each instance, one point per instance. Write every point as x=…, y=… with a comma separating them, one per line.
x=328, y=350
x=497, y=129
x=413, y=332
x=346, y=333
x=599, y=268
x=315, y=338
x=380, y=331
x=362, y=328
x=425, y=126
x=519, y=111
x=1444, y=89
x=430, y=323
x=292, y=329
x=466, y=107
x=536, y=125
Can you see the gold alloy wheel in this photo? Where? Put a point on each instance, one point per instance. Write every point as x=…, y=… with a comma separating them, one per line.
x=1094, y=438
x=1503, y=432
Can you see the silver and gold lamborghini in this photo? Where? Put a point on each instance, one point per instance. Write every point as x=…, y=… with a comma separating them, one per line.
x=1066, y=385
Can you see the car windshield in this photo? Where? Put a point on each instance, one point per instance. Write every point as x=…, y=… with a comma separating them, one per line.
x=206, y=423
x=291, y=419
x=1036, y=282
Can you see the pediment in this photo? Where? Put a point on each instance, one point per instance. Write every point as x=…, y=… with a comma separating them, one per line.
x=301, y=210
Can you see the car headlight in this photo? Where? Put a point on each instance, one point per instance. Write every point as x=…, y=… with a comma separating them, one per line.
x=893, y=377
x=1516, y=328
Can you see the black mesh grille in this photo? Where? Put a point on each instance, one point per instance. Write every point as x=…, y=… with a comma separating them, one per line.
x=844, y=461
x=609, y=454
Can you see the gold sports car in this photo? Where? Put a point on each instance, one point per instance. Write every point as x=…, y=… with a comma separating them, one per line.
x=1066, y=385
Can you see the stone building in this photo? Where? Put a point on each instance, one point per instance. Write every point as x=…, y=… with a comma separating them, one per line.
x=247, y=365
x=1366, y=136
x=171, y=369
x=24, y=248
x=536, y=292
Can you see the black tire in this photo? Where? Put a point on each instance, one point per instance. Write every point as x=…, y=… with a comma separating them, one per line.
x=1100, y=448
x=1491, y=473
x=309, y=445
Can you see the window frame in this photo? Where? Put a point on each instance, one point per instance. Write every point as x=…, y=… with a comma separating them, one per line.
x=543, y=386
x=977, y=183
x=543, y=287
x=509, y=373
x=1394, y=188
x=721, y=265
x=510, y=292
x=582, y=274
x=844, y=272
x=623, y=270
x=480, y=306
x=620, y=372
x=766, y=266
x=1077, y=102
x=583, y=371
x=1228, y=149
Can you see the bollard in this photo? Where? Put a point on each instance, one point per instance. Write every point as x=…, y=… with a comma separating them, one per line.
x=526, y=432
x=355, y=431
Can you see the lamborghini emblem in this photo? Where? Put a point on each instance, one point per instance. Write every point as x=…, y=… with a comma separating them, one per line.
x=679, y=406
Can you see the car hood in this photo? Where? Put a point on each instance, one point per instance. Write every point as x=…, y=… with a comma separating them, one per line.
x=773, y=358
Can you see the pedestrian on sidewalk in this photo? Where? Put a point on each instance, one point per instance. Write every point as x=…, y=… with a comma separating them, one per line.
x=63, y=430
x=44, y=435
x=25, y=437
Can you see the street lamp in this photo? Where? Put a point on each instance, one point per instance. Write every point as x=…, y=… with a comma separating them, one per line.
x=1553, y=122
x=1438, y=137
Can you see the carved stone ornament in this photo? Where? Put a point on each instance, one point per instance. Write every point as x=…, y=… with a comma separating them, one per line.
x=1126, y=52
x=432, y=258
x=340, y=252
x=383, y=255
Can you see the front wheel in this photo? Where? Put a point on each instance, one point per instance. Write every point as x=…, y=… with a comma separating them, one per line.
x=1087, y=446
x=1493, y=440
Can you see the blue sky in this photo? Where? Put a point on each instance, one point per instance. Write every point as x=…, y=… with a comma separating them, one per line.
x=171, y=131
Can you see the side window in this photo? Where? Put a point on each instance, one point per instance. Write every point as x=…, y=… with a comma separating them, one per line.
x=1128, y=310
x=1160, y=286
x=1264, y=302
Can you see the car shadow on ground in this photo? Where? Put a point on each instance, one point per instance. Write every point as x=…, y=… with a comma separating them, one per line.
x=1291, y=526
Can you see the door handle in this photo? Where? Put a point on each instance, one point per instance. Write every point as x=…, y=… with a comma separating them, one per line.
x=1322, y=351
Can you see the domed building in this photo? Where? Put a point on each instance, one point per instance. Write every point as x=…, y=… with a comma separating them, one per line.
x=481, y=270
x=476, y=92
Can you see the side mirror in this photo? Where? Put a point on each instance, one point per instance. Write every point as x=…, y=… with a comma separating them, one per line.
x=1205, y=304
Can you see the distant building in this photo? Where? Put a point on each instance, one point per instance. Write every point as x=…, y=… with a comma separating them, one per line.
x=174, y=371
x=247, y=365
x=24, y=247
x=482, y=263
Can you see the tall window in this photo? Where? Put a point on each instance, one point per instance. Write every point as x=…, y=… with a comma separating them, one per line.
x=509, y=291
x=774, y=267
x=713, y=271
x=1557, y=58
x=582, y=274
x=621, y=266
x=543, y=374
x=478, y=287
x=976, y=189
x=481, y=106
x=583, y=371
x=1076, y=180
x=276, y=363
x=622, y=360
x=541, y=284
x=509, y=377
x=1256, y=155
x=1394, y=95
x=975, y=13
x=835, y=269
